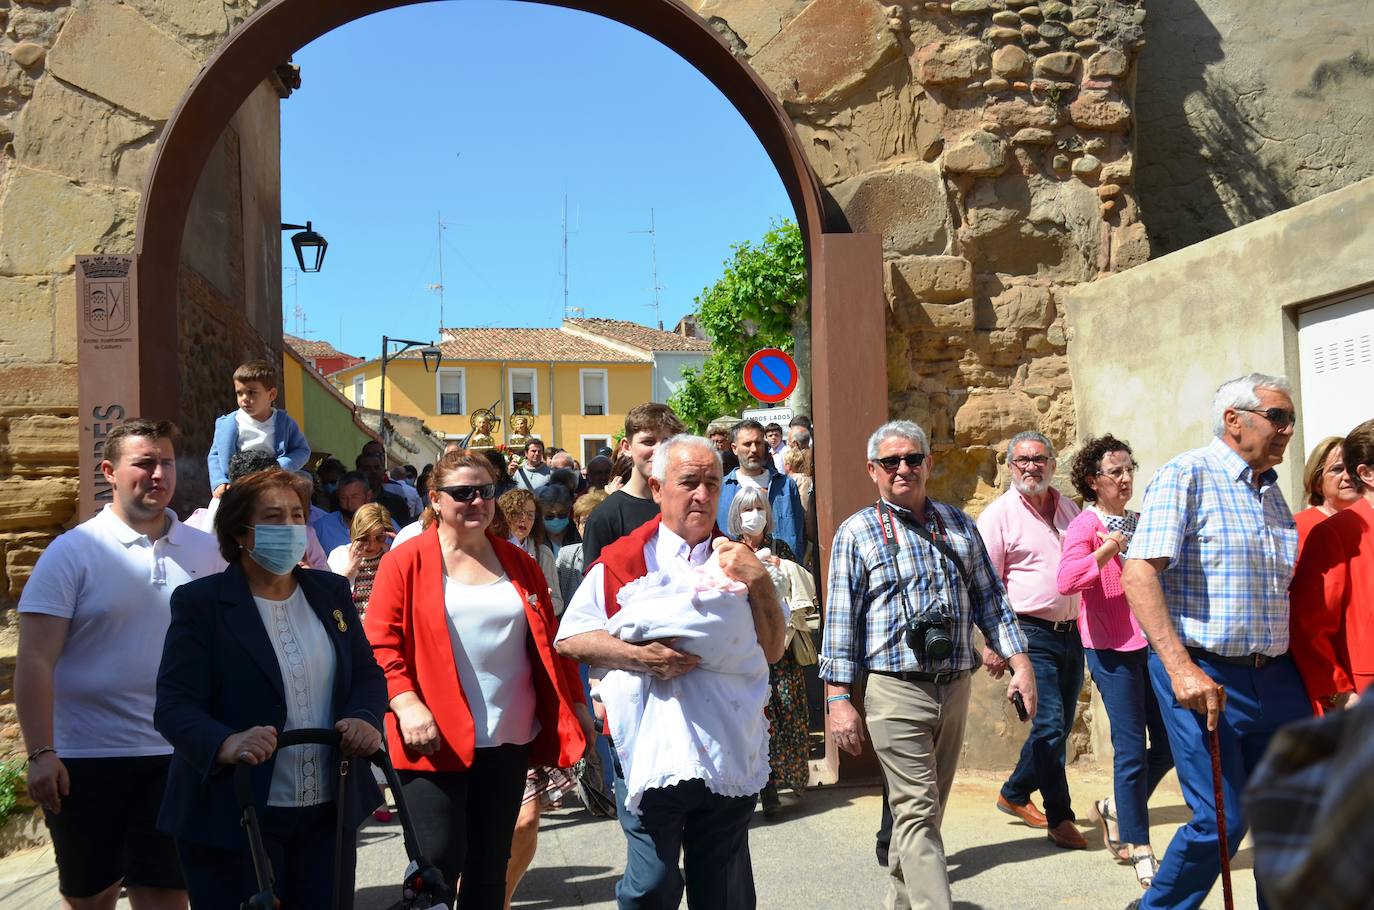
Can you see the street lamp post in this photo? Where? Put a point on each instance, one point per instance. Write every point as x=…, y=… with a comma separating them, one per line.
x=430, y=354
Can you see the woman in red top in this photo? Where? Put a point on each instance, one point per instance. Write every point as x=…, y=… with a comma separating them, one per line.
x=1325, y=485
x=462, y=625
x=1332, y=594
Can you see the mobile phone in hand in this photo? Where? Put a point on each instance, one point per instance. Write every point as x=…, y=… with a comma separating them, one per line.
x=1020, y=704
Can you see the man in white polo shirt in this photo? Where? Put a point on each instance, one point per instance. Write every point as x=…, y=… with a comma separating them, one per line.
x=92, y=620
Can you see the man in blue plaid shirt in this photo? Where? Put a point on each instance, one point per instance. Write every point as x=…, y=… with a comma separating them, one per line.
x=901, y=562
x=1208, y=580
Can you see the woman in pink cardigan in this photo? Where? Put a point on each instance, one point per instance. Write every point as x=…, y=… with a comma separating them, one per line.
x=1094, y=544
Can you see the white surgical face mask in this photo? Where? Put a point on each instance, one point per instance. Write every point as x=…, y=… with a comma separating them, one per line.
x=753, y=521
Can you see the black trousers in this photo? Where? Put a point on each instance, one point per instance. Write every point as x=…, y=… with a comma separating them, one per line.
x=464, y=821
x=300, y=844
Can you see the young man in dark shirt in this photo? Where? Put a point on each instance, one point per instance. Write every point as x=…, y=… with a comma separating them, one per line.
x=626, y=509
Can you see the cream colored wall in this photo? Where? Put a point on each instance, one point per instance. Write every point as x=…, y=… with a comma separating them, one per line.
x=1147, y=348
x=559, y=420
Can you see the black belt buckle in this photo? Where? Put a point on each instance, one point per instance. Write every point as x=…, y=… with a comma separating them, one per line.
x=1064, y=625
x=944, y=677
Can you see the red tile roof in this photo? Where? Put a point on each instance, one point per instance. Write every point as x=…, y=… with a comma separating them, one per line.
x=643, y=337
x=312, y=349
x=529, y=345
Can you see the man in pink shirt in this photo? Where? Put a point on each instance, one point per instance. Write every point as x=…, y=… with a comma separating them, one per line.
x=1023, y=530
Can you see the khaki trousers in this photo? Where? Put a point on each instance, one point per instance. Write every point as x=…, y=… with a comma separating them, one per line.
x=917, y=731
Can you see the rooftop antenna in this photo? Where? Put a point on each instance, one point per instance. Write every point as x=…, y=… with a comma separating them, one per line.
x=296, y=312
x=440, y=286
x=653, y=257
x=568, y=311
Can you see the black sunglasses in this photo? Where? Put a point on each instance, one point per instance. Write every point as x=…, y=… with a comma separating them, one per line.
x=1281, y=419
x=467, y=492
x=890, y=463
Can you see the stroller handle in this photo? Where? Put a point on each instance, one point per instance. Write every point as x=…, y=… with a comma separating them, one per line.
x=243, y=772
x=427, y=878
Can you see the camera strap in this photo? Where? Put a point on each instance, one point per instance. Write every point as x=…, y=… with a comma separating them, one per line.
x=939, y=540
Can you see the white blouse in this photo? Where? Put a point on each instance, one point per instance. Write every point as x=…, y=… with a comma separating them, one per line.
x=302, y=775
x=490, y=634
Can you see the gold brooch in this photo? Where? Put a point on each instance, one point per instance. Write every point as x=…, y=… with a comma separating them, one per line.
x=338, y=617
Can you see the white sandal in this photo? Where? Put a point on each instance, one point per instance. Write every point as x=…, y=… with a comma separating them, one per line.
x=1146, y=867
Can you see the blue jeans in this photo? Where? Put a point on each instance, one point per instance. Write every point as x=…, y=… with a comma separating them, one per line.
x=709, y=832
x=1258, y=703
x=1123, y=678
x=1057, y=658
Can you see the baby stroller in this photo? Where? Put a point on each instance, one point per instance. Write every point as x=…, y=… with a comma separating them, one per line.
x=423, y=885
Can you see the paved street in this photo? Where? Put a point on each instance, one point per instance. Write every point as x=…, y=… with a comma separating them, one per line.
x=817, y=855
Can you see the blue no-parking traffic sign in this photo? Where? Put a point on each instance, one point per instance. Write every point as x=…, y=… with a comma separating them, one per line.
x=770, y=375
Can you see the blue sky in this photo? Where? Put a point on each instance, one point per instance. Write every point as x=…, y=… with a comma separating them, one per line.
x=490, y=111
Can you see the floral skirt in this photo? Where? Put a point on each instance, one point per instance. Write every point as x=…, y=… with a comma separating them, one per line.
x=788, y=717
x=549, y=785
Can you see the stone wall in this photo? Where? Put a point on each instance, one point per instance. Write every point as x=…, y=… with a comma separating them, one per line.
x=1247, y=107
x=85, y=88
x=989, y=143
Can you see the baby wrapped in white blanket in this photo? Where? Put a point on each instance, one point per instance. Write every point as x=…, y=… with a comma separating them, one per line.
x=707, y=724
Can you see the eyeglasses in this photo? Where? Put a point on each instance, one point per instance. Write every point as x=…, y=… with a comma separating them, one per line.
x=1281, y=419
x=912, y=460
x=1118, y=473
x=467, y=493
x=1025, y=461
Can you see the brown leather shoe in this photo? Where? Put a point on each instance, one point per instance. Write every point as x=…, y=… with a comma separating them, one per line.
x=1027, y=813
x=1067, y=836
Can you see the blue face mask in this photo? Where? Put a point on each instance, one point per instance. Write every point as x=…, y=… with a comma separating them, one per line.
x=331, y=486
x=278, y=548
x=556, y=525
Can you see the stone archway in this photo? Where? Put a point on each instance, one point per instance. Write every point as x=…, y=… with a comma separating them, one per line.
x=849, y=384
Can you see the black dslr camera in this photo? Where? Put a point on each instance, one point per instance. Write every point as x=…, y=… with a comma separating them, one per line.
x=928, y=634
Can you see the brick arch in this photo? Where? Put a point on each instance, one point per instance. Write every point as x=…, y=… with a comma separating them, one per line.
x=847, y=303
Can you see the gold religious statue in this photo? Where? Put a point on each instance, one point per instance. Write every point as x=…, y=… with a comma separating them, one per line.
x=521, y=429
x=484, y=423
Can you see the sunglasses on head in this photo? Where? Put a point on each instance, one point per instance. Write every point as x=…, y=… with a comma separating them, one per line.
x=913, y=460
x=1281, y=418
x=467, y=493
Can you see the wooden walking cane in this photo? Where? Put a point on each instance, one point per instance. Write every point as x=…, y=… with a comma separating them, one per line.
x=1214, y=744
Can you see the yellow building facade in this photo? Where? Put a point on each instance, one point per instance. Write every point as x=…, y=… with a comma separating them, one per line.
x=578, y=382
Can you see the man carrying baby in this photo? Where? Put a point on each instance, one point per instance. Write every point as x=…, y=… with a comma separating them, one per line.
x=909, y=582
x=709, y=830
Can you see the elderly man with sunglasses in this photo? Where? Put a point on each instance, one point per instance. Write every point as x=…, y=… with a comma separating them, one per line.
x=1023, y=530
x=1207, y=578
x=909, y=581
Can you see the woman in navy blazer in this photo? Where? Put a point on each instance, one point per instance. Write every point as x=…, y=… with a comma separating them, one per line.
x=263, y=647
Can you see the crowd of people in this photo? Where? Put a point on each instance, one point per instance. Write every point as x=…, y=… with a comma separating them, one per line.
x=514, y=631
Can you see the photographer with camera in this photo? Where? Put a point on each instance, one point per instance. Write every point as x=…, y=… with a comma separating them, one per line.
x=909, y=581
x=1024, y=533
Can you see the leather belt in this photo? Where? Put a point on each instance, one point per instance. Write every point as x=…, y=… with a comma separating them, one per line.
x=1063, y=625
x=1253, y=661
x=944, y=677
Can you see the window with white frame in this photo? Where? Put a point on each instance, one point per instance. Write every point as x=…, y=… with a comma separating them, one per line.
x=359, y=398
x=591, y=445
x=595, y=393
x=450, y=389
x=524, y=395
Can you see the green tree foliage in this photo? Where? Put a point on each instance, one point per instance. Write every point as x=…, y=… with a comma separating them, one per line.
x=760, y=302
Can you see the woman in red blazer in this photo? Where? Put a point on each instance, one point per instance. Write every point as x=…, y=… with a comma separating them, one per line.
x=462, y=625
x=1332, y=595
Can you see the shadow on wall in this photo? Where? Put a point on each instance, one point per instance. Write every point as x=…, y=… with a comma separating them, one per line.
x=1195, y=135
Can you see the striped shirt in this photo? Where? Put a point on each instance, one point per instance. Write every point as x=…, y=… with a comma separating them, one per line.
x=1231, y=549
x=865, y=618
